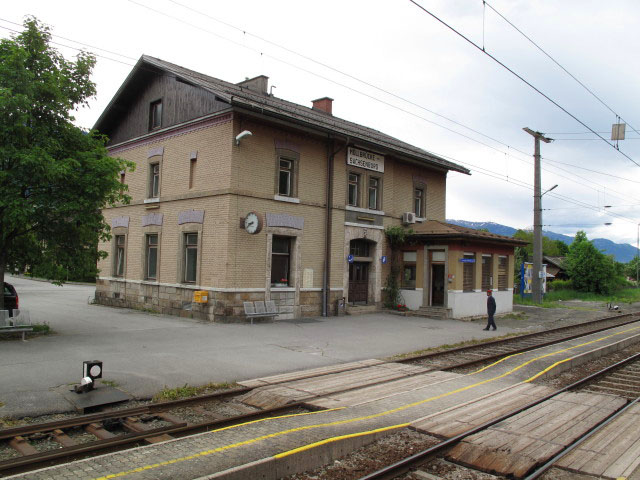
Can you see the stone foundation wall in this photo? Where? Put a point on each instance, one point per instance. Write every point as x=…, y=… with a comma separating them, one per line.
x=221, y=306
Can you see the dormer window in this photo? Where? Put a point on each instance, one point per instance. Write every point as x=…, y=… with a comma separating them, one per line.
x=155, y=115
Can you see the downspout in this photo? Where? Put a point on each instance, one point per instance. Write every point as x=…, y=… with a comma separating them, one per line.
x=326, y=289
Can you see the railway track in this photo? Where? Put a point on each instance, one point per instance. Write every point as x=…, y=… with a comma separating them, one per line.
x=38, y=445
x=620, y=379
x=474, y=354
x=34, y=446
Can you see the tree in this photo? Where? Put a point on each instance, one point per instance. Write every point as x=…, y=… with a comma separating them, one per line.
x=550, y=248
x=588, y=268
x=54, y=177
x=631, y=268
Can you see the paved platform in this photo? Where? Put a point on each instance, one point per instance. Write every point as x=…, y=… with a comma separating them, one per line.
x=276, y=447
x=144, y=352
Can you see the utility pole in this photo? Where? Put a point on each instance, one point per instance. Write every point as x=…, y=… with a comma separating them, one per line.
x=536, y=286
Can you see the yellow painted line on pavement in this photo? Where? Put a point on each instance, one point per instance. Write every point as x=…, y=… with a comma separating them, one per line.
x=275, y=418
x=357, y=419
x=341, y=437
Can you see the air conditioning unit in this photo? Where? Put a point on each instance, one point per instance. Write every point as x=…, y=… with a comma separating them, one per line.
x=408, y=218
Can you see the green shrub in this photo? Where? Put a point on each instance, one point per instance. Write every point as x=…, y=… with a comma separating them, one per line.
x=558, y=285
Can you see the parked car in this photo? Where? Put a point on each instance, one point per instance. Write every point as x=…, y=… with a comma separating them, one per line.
x=11, y=299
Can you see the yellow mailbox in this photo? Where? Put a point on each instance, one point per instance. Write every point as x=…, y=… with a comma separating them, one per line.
x=200, y=296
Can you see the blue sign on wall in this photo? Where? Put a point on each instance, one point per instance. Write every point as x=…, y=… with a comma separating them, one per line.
x=350, y=258
x=383, y=259
x=468, y=260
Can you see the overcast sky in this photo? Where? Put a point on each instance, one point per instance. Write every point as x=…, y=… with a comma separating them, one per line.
x=391, y=66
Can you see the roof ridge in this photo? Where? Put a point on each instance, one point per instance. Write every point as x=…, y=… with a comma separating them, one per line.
x=269, y=104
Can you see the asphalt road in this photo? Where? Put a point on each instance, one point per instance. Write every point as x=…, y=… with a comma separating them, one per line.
x=143, y=352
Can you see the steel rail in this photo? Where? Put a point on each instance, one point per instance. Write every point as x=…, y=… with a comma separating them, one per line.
x=531, y=347
x=130, y=438
x=403, y=466
x=115, y=414
x=163, y=406
x=29, y=462
x=154, y=408
x=521, y=337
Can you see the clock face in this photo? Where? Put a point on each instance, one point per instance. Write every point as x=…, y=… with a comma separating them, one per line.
x=252, y=223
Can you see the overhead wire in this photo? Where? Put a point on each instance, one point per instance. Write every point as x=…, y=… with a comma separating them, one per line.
x=310, y=59
x=522, y=79
x=477, y=168
x=558, y=64
x=342, y=85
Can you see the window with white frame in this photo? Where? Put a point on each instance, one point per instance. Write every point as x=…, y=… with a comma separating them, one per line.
x=280, y=261
x=374, y=193
x=418, y=202
x=353, y=189
x=154, y=180
x=190, y=257
x=120, y=252
x=151, y=256
x=285, y=177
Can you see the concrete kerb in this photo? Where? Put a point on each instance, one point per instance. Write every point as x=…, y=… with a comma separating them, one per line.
x=590, y=355
x=272, y=468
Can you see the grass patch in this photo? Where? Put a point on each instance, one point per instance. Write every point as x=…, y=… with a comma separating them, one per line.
x=109, y=383
x=6, y=422
x=187, y=391
x=42, y=328
x=513, y=316
x=467, y=343
x=554, y=299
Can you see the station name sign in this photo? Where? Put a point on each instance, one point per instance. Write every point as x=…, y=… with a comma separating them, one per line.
x=364, y=159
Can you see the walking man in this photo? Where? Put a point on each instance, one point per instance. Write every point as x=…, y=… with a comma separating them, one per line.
x=491, y=310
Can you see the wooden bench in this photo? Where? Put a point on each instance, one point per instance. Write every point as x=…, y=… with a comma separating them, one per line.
x=260, y=309
x=16, y=324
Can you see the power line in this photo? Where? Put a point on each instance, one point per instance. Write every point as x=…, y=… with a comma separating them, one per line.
x=590, y=170
x=340, y=84
x=528, y=186
x=306, y=57
x=588, y=139
x=522, y=79
x=558, y=64
x=477, y=169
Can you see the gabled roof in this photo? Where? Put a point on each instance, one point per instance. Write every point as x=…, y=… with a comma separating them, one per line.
x=556, y=261
x=434, y=229
x=243, y=98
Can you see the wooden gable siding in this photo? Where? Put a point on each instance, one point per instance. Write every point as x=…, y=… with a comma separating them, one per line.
x=180, y=102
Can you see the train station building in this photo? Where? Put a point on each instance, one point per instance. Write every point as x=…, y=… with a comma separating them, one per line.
x=241, y=196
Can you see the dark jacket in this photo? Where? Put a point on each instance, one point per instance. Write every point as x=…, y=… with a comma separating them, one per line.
x=491, y=306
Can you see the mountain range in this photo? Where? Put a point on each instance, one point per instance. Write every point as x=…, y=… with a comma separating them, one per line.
x=622, y=252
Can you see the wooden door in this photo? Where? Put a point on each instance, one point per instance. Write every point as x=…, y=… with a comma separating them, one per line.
x=358, y=282
x=437, y=284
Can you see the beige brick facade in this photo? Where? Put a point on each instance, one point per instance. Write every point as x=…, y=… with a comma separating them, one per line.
x=226, y=152
x=227, y=182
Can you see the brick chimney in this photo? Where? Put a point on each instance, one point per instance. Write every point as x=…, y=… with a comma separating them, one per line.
x=258, y=84
x=323, y=104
